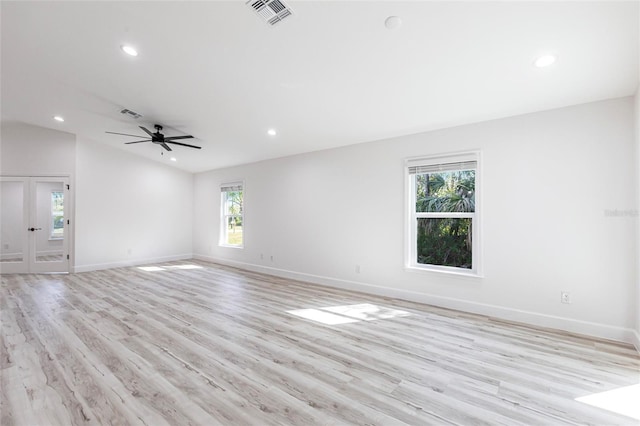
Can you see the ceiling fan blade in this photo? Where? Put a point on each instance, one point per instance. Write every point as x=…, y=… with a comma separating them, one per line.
x=165, y=146
x=173, y=138
x=146, y=140
x=147, y=131
x=183, y=144
x=125, y=134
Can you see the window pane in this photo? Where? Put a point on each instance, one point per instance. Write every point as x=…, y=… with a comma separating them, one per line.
x=446, y=191
x=57, y=201
x=232, y=217
x=57, y=226
x=444, y=242
x=233, y=203
x=234, y=231
x=57, y=214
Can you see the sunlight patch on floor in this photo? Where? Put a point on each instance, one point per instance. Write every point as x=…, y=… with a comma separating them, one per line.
x=150, y=268
x=184, y=267
x=168, y=267
x=322, y=316
x=625, y=400
x=367, y=311
x=332, y=315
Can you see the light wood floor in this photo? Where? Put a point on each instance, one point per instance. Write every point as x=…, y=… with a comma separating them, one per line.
x=216, y=345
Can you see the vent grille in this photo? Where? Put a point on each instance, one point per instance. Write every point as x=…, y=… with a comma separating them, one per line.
x=130, y=113
x=271, y=11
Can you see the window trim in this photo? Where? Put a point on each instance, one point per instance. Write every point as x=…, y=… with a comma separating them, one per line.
x=411, y=215
x=224, y=188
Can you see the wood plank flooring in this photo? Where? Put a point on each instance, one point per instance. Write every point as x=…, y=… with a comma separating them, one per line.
x=194, y=343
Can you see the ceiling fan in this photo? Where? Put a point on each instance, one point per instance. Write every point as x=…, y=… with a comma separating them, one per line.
x=159, y=138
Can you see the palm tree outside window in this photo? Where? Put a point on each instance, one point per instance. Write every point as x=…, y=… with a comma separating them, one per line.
x=443, y=218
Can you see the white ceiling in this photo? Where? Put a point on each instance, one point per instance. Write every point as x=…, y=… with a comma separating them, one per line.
x=331, y=75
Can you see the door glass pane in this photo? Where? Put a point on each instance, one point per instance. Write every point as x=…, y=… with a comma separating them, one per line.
x=12, y=225
x=49, y=232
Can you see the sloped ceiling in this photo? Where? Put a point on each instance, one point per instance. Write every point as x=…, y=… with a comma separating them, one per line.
x=329, y=76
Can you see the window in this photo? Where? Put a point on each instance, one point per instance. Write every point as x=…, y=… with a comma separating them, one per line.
x=443, y=222
x=232, y=214
x=57, y=215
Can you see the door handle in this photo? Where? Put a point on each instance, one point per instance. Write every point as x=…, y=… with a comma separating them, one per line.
x=34, y=229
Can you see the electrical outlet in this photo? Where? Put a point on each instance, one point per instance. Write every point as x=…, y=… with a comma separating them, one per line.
x=357, y=269
x=565, y=297
x=272, y=258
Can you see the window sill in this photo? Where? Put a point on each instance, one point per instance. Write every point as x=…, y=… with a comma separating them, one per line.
x=56, y=238
x=230, y=246
x=452, y=273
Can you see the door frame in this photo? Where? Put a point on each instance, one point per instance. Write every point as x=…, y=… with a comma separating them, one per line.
x=29, y=263
x=21, y=266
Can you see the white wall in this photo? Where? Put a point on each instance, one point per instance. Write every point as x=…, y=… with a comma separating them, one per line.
x=129, y=210
x=548, y=180
x=637, y=182
x=27, y=150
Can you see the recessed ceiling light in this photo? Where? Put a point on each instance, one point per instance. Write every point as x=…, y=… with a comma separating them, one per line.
x=272, y=132
x=545, y=61
x=58, y=118
x=173, y=159
x=129, y=50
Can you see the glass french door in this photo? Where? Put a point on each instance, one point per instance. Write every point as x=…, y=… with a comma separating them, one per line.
x=33, y=224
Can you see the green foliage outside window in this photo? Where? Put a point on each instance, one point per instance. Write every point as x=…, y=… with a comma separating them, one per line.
x=445, y=241
x=234, y=208
x=57, y=214
x=233, y=201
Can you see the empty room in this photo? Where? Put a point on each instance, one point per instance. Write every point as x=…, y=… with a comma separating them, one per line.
x=276, y=212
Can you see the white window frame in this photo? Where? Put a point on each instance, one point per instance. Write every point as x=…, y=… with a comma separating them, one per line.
x=224, y=188
x=411, y=258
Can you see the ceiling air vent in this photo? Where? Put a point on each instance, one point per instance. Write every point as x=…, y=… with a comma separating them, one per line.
x=130, y=113
x=272, y=11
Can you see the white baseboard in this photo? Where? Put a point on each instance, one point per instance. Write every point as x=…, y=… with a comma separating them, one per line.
x=587, y=328
x=134, y=262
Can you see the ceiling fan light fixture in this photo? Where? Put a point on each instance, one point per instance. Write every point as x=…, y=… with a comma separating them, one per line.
x=129, y=50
